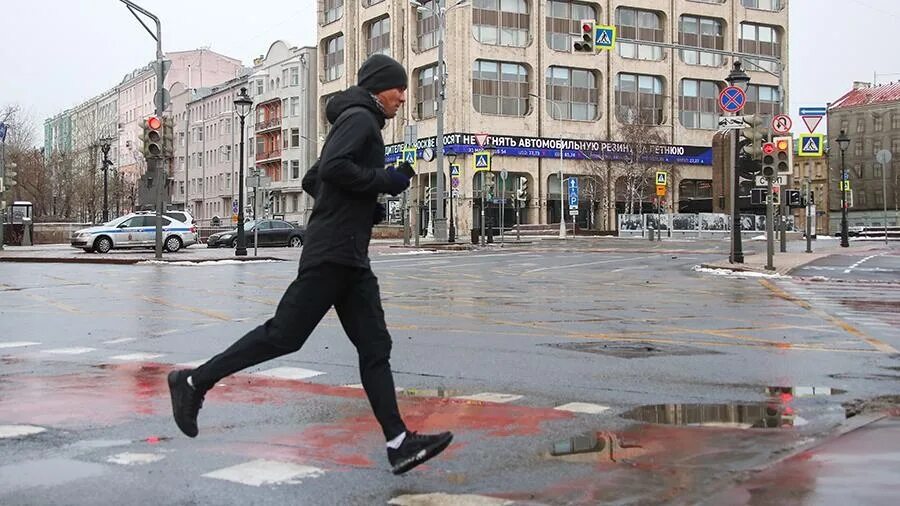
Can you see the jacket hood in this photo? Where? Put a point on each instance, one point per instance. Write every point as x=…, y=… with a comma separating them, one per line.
x=352, y=97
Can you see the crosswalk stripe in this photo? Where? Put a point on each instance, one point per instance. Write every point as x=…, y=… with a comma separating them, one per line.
x=17, y=344
x=134, y=357
x=489, y=397
x=70, y=351
x=266, y=472
x=11, y=431
x=290, y=373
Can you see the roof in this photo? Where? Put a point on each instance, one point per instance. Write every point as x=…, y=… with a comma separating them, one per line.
x=869, y=95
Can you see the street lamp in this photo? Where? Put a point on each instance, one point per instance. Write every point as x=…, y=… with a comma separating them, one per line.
x=106, y=163
x=438, y=10
x=242, y=105
x=843, y=142
x=562, y=210
x=739, y=79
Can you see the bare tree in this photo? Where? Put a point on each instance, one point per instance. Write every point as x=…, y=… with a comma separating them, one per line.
x=595, y=189
x=639, y=162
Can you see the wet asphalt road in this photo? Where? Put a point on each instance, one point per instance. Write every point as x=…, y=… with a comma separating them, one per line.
x=85, y=350
x=869, y=266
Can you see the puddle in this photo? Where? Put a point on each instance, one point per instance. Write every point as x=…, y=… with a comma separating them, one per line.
x=760, y=415
x=596, y=446
x=631, y=349
x=786, y=393
x=101, y=443
x=442, y=393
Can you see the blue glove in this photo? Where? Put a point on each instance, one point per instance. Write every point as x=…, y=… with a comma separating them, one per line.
x=405, y=168
x=399, y=182
x=380, y=213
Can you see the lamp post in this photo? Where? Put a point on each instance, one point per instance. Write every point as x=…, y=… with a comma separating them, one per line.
x=440, y=11
x=106, y=163
x=562, y=187
x=739, y=79
x=843, y=142
x=242, y=105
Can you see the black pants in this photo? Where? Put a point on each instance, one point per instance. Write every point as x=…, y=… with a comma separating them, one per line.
x=355, y=296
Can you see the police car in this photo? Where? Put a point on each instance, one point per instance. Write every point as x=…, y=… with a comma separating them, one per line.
x=135, y=230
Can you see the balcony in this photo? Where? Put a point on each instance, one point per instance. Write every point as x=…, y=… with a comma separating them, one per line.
x=272, y=124
x=265, y=156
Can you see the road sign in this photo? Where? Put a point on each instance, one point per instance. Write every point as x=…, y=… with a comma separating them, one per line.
x=813, y=111
x=732, y=123
x=811, y=145
x=782, y=123
x=482, y=161
x=234, y=206
x=504, y=174
x=573, y=212
x=409, y=156
x=732, y=99
x=883, y=157
x=604, y=37
x=662, y=178
x=573, y=185
x=454, y=181
x=573, y=201
x=811, y=122
x=481, y=139
x=454, y=169
x=660, y=191
x=781, y=179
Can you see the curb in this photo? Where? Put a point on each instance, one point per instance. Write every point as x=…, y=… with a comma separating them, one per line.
x=124, y=261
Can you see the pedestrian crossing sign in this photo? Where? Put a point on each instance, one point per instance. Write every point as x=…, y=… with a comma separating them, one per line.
x=409, y=156
x=604, y=37
x=662, y=178
x=482, y=161
x=454, y=169
x=811, y=145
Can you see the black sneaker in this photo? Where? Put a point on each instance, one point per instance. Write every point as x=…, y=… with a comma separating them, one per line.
x=416, y=449
x=186, y=402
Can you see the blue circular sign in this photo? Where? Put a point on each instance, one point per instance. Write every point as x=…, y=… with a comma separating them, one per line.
x=732, y=99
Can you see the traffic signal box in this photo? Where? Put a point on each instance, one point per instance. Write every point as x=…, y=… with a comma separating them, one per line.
x=152, y=137
x=585, y=43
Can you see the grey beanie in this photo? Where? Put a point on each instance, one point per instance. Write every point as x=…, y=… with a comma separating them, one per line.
x=380, y=72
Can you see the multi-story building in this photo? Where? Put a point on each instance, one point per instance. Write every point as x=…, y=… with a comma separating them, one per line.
x=512, y=74
x=813, y=171
x=870, y=116
x=282, y=127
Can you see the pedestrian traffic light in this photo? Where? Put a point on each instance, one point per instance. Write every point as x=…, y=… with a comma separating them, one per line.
x=793, y=198
x=168, y=138
x=753, y=136
x=522, y=190
x=768, y=159
x=784, y=154
x=151, y=137
x=585, y=43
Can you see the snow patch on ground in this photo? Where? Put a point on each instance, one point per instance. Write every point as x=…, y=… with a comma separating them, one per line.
x=203, y=263
x=738, y=274
x=411, y=252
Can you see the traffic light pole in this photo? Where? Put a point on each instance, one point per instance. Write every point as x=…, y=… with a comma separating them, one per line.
x=770, y=227
x=809, y=215
x=3, y=212
x=737, y=250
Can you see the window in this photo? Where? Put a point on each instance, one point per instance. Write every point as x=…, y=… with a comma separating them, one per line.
x=295, y=106
x=860, y=126
x=876, y=145
x=895, y=121
x=762, y=100
x=334, y=57
x=226, y=153
x=563, y=19
x=500, y=88
x=284, y=135
x=284, y=168
x=259, y=86
x=698, y=104
x=426, y=27
x=762, y=40
x=879, y=124
x=858, y=148
x=879, y=197
x=295, y=169
x=877, y=171
x=500, y=22
x=845, y=125
x=260, y=145
x=369, y=3
x=295, y=76
x=639, y=25
x=284, y=78
x=860, y=199
x=573, y=92
x=895, y=147
x=426, y=92
x=334, y=9
x=378, y=37
x=704, y=33
x=765, y=5
x=284, y=108
x=295, y=137
x=639, y=99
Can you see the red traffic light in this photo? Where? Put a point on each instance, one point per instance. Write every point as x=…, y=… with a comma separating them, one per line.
x=768, y=148
x=586, y=27
x=154, y=122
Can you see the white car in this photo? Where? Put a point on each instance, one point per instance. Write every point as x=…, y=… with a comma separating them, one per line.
x=135, y=230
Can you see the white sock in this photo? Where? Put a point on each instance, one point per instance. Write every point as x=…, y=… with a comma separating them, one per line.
x=190, y=381
x=397, y=441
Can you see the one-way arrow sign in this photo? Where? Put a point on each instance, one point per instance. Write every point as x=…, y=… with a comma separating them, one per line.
x=732, y=123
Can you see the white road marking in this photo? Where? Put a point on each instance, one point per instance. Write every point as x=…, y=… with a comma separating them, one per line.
x=70, y=351
x=10, y=431
x=131, y=459
x=582, y=407
x=358, y=386
x=290, y=373
x=192, y=365
x=133, y=357
x=443, y=499
x=120, y=340
x=489, y=397
x=568, y=266
x=857, y=264
x=17, y=344
x=266, y=472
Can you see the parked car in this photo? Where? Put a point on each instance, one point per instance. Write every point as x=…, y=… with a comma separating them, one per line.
x=182, y=216
x=135, y=230
x=270, y=232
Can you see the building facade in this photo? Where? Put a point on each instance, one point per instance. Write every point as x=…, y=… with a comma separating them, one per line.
x=870, y=116
x=512, y=74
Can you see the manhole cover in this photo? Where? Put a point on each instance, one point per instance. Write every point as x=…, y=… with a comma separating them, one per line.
x=631, y=349
x=761, y=415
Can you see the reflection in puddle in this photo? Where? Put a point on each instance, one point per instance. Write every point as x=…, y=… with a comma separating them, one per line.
x=442, y=393
x=597, y=446
x=763, y=415
x=802, y=391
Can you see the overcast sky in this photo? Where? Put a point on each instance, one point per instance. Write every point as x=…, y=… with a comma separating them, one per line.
x=56, y=53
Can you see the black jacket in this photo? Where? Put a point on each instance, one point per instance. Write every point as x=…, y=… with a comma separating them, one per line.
x=346, y=182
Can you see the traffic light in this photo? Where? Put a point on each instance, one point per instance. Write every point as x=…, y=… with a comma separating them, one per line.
x=168, y=138
x=793, y=198
x=489, y=184
x=522, y=190
x=768, y=159
x=752, y=137
x=776, y=195
x=784, y=154
x=151, y=138
x=585, y=43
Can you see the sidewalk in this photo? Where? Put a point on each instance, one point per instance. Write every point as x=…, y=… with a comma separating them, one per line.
x=795, y=257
